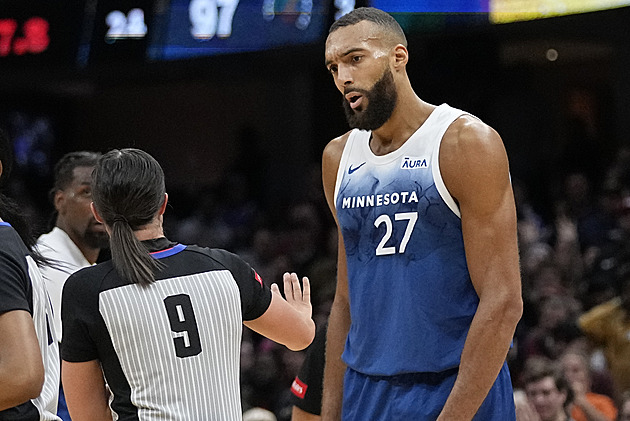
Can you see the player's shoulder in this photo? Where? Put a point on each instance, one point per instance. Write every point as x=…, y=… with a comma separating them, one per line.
x=468, y=142
x=11, y=245
x=334, y=148
x=468, y=132
x=331, y=158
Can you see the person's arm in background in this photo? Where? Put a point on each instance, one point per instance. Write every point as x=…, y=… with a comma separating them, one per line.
x=339, y=319
x=288, y=322
x=590, y=411
x=21, y=366
x=475, y=170
x=85, y=391
x=525, y=411
x=307, y=385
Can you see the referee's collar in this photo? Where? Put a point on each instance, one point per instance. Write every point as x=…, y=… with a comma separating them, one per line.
x=162, y=247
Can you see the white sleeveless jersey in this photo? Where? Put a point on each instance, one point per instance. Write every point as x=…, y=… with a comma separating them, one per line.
x=411, y=297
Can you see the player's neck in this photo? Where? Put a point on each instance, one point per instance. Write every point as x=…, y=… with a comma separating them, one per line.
x=90, y=253
x=410, y=113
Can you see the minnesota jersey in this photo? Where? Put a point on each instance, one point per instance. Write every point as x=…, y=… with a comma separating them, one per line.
x=170, y=350
x=22, y=288
x=411, y=297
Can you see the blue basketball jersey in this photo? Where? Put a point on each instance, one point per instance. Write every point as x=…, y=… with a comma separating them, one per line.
x=411, y=297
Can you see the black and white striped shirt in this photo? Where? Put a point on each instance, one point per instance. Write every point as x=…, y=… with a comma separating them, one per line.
x=170, y=350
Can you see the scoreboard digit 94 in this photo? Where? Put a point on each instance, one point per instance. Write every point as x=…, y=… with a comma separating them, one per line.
x=39, y=32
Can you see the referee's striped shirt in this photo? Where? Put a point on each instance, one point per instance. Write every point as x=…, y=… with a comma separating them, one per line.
x=169, y=351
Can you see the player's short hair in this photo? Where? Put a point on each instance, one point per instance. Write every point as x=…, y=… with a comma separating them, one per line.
x=376, y=16
x=64, y=168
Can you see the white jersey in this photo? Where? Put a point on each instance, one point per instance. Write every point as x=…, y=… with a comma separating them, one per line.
x=65, y=258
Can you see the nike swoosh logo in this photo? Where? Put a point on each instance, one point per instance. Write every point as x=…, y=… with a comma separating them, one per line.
x=351, y=170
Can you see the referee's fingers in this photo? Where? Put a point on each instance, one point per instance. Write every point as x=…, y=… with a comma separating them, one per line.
x=306, y=290
x=275, y=289
x=288, y=287
x=295, y=285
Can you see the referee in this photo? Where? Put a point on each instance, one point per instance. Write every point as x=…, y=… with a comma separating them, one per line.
x=162, y=320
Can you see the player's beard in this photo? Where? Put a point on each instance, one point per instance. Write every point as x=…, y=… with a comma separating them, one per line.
x=381, y=101
x=96, y=239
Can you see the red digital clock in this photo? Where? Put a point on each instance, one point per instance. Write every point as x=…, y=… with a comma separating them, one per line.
x=30, y=37
x=40, y=34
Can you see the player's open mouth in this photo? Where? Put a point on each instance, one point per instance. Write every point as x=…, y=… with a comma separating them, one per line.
x=354, y=99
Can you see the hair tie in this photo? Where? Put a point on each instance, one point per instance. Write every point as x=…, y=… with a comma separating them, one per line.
x=119, y=218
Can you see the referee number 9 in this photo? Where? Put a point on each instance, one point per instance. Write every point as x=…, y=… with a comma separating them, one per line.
x=181, y=316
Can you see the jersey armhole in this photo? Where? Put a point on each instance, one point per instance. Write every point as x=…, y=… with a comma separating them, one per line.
x=342, y=164
x=437, y=173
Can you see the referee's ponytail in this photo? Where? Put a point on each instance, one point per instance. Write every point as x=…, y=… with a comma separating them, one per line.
x=128, y=191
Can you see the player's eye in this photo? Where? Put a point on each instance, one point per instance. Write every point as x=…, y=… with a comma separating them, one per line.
x=85, y=193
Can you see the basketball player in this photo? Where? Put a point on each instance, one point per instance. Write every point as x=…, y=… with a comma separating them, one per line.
x=162, y=320
x=76, y=239
x=428, y=293
x=29, y=354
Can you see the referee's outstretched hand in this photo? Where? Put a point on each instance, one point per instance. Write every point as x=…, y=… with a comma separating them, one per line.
x=298, y=298
x=288, y=320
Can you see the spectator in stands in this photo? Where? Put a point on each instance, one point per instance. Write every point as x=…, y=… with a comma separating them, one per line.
x=547, y=390
x=587, y=406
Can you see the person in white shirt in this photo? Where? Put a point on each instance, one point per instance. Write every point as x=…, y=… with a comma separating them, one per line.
x=77, y=238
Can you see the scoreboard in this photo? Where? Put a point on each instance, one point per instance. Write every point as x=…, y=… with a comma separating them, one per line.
x=76, y=34
x=207, y=27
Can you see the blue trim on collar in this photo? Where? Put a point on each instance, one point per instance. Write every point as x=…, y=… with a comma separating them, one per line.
x=168, y=252
x=4, y=224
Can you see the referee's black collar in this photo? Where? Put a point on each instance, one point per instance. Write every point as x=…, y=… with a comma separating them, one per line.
x=158, y=244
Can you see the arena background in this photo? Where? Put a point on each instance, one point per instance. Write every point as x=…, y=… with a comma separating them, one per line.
x=239, y=122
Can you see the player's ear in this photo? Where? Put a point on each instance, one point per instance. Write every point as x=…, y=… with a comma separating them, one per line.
x=400, y=57
x=96, y=214
x=59, y=198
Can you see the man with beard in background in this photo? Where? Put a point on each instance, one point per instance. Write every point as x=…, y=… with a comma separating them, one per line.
x=77, y=238
x=428, y=290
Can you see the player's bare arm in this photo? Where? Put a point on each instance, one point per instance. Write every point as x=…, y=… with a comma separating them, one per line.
x=288, y=322
x=21, y=366
x=475, y=170
x=339, y=319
